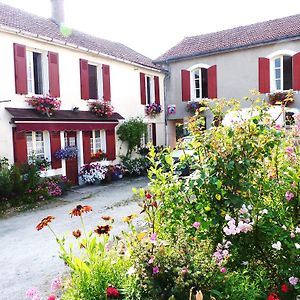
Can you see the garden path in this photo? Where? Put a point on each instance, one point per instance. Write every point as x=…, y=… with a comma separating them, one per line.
x=29, y=258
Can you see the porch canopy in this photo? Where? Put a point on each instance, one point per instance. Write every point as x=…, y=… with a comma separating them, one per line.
x=31, y=120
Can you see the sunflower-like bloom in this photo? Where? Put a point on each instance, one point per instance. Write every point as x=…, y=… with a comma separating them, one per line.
x=79, y=209
x=76, y=233
x=44, y=222
x=107, y=218
x=103, y=229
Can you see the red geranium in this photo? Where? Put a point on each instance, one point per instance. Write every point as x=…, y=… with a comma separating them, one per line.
x=284, y=288
x=273, y=296
x=112, y=292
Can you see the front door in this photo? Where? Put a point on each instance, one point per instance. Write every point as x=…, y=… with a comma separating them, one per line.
x=71, y=163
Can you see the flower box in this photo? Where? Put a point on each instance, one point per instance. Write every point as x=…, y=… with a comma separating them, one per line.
x=45, y=105
x=99, y=155
x=101, y=108
x=281, y=98
x=66, y=153
x=152, y=110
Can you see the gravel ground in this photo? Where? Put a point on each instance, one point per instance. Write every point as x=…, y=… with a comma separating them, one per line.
x=29, y=258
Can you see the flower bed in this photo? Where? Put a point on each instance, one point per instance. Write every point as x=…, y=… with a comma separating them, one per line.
x=92, y=173
x=282, y=98
x=101, y=108
x=45, y=105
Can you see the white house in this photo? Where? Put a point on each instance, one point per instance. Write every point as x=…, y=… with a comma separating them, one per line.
x=37, y=58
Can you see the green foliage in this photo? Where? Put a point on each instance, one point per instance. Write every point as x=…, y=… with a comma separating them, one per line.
x=132, y=131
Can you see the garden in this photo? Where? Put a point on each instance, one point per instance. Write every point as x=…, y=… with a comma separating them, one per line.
x=230, y=229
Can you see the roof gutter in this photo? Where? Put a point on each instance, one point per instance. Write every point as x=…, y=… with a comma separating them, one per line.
x=67, y=45
x=213, y=52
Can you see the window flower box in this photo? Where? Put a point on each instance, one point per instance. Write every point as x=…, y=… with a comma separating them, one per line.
x=46, y=105
x=101, y=108
x=152, y=110
x=66, y=153
x=99, y=155
x=281, y=98
x=193, y=105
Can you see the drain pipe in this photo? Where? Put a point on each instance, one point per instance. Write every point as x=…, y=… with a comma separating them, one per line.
x=166, y=78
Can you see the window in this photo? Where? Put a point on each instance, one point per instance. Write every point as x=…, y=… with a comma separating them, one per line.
x=149, y=90
x=35, y=73
x=95, y=82
x=98, y=141
x=35, y=144
x=281, y=73
x=199, y=83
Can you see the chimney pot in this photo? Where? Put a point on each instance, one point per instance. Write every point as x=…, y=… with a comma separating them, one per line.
x=58, y=15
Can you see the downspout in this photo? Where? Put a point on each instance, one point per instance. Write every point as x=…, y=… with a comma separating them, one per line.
x=166, y=78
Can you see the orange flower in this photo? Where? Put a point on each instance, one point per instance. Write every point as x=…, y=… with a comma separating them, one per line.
x=76, y=233
x=44, y=222
x=103, y=229
x=79, y=209
x=107, y=218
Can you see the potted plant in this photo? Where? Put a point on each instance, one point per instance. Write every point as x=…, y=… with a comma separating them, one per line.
x=101, y=108
x=46, y=105
x=66, y=153
x=152, y=110
x=281, y=98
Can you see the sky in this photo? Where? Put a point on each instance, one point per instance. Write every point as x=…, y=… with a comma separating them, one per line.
x=152, y=27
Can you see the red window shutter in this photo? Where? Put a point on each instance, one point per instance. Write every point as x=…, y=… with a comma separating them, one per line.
x=106, y=82
x=84, y=79
x=53, y=65
x=110, y=144
x=186, y=85
x=296, y=72
x=156, y=90
x=263, y=75
x=212, y=82
x=143, y=88
x=86, y=136
x=20, y=147
x=20, y=69
x=55, y=145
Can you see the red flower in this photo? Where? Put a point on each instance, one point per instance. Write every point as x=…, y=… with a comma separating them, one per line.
x=51, y=297
x=284, y=288
x=44, y=223
x=273, y=296
x=112, y=292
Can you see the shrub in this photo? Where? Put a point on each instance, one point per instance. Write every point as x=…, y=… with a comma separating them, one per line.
x=135, y=166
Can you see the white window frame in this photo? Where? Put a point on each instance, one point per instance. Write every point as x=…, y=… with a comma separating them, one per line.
x=45, y=77
x=192, y=70
x=99, y=80
x=46, y=145
x=151, y=100
x=93, y=141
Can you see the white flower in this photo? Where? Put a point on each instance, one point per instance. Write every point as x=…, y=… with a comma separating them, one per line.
x=277, y=245
x=131, y=271
x=297, y=230
x=297, y=246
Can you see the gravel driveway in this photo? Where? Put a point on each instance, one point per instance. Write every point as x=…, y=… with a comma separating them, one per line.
x=29, y=258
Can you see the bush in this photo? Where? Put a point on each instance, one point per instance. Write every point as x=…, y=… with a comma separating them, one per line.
x=135, y=166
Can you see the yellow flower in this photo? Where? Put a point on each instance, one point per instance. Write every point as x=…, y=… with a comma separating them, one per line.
x=218, y=197
x=129, y=218
x=207, y=208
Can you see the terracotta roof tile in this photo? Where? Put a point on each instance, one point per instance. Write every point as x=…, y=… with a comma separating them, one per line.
x=236, y=38
x=20, y=20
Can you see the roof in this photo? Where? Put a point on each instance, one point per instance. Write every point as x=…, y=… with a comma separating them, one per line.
x=236, y=38
x=24, y=114
x=45, y=28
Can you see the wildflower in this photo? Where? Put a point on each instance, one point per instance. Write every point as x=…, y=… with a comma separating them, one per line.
x=103, y=229
x=292, y=235
x=76, y=233
x=148, y=195
x=107, y=218
x=55, y=284
x=196, y=225
x=277, y=245
x=112, y=292
x=293, y=280
x=289, y=150
x=273, y=296
x=155, y=270
x=79, y=209
x=277, y=126
x=129, y=218
x=153, y=236
x=223, y=270
x=151, y=260
x=284, y=288
x=289, y=195
x=297, y=246
x=44, y=222
x=31, y=293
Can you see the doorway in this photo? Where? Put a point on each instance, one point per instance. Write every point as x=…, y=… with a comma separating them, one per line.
x=71, y=163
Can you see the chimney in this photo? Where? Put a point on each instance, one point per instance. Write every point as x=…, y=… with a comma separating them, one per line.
x=58, y=15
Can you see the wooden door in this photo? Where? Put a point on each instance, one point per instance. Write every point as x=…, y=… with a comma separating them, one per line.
x=71, y=163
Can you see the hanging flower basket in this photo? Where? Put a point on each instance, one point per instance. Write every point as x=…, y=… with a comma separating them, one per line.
x=153, y=109
x=46, y=105
x=281, y=98
x=101, y=108
x=193, y=106
x=66, y=153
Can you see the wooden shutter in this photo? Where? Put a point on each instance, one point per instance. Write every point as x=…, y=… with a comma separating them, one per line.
x=20, y=147
x=263, y=75
x=53, y=66
x=111, y=144
x=86, y=136
x=106, y=82
x=55, y=145
x=212, y=82
x=84, y=79
x=296, y=72
x=185, y=85
x=143, y=88
x=20, y=69
x=156, y=90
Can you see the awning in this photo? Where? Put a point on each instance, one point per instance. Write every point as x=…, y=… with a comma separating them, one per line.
x=31, y=120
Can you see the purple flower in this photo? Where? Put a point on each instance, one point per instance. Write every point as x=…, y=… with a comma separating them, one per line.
x=155, y=270
x=153, y=236
x=293, y=280
x=196, y=225
x=289, y=195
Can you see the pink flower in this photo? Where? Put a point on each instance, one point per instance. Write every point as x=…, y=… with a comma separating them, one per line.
x=196, y=225
x=289, y=195
x=289, y=150
x=51, y=297
x=31, y=293
x=277, y=126
x=292, y=235
x=223, y=270
x=151, y=260
x=55, y=284
x=293, y=280
x=153, y=236
x=155, y=270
